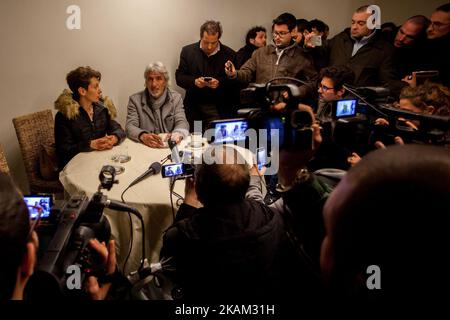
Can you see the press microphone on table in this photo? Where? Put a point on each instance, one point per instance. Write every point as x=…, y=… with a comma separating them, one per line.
x=175, y=153
x=154, y=168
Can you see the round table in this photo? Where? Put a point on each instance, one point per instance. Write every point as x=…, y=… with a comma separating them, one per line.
x=150, y=196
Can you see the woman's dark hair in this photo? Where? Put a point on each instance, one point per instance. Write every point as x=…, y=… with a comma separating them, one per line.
x=80, y=78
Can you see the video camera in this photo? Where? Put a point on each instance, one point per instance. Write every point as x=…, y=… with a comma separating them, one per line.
x=373, y=103
x=294, y=125
x=76, y=222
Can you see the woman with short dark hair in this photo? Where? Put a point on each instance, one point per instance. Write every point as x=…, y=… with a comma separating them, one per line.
x=84, y=119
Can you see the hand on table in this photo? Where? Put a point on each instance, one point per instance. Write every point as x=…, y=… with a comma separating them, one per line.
x=151, y=140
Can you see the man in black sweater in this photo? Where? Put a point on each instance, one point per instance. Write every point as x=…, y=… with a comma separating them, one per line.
x=255, y=38
x=201, y=74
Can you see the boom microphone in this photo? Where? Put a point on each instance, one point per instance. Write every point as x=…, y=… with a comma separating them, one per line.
x=154, y=168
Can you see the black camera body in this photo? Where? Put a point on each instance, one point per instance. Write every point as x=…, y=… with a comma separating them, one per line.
x=67, y=253
x=354, y=121
x=293, y=125
x=78, y=221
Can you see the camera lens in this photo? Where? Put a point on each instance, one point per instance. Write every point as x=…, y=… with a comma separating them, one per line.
x=106, y=176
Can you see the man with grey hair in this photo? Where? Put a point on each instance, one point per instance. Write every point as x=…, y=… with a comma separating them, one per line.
x=157, y=109
x=209, y=93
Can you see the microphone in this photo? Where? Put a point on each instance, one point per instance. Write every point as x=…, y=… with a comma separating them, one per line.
x=154, y=168
x=175, y=153
x=120, y=206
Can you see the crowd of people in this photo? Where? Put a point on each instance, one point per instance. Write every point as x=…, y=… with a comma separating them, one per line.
x=321, y=236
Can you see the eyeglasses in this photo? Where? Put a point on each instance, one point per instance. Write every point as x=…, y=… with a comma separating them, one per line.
x=280, y=34
x=325, y=88
x=438, y=25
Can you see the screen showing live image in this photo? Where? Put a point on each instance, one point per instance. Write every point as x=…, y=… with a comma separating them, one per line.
x=345, y=108
x=36, y=203
x=173, y=170
x=230, y=131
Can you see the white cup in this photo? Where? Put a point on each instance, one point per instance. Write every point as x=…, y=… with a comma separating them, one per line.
x=164, y=139
x=196, y=140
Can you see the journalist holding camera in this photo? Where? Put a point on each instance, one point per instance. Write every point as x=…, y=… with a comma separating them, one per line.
x=223, y=243
x=19, y=241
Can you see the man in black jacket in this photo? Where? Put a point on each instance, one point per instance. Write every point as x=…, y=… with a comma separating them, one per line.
x=255, y=38
x=227, y=249
x=201, y=74
x=363, y=50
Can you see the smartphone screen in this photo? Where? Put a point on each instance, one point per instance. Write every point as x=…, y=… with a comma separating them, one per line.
x=261, y=157
x=316, y=40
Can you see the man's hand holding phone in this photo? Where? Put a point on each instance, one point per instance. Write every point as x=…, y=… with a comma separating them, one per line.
x=230, y=70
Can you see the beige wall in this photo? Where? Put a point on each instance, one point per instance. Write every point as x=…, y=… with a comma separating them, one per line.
x=119, y=37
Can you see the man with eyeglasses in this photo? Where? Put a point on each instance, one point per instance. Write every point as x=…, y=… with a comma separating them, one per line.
x=209, y=93
x=334, y=150
x=438, y=44
x=283, y=58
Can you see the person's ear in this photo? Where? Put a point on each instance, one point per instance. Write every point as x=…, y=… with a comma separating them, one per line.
x=340, y=92
x=430, y=109
x=29, y=261
x=82, y=91
x=252, y=41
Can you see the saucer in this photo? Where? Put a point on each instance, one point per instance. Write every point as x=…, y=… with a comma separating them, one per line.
x=119, y=169
x=190, y=145
x=122, y=158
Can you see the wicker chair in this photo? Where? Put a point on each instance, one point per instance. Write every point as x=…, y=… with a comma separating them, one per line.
x=3, y=164
x=32, y=131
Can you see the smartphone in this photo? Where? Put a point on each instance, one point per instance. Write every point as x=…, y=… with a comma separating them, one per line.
x=36, y=203
x=207, y=79
x=316, y=40
x=261, y=157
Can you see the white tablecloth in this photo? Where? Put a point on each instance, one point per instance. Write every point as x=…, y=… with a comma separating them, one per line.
x=151, y=196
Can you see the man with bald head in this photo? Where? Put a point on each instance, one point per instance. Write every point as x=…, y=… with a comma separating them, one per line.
x=409, y=43
x=222, y=244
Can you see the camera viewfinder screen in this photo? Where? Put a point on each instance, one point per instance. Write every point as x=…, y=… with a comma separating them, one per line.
x=345, y=108
x=173, y=170
x=230, y=131
x=34, y=203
